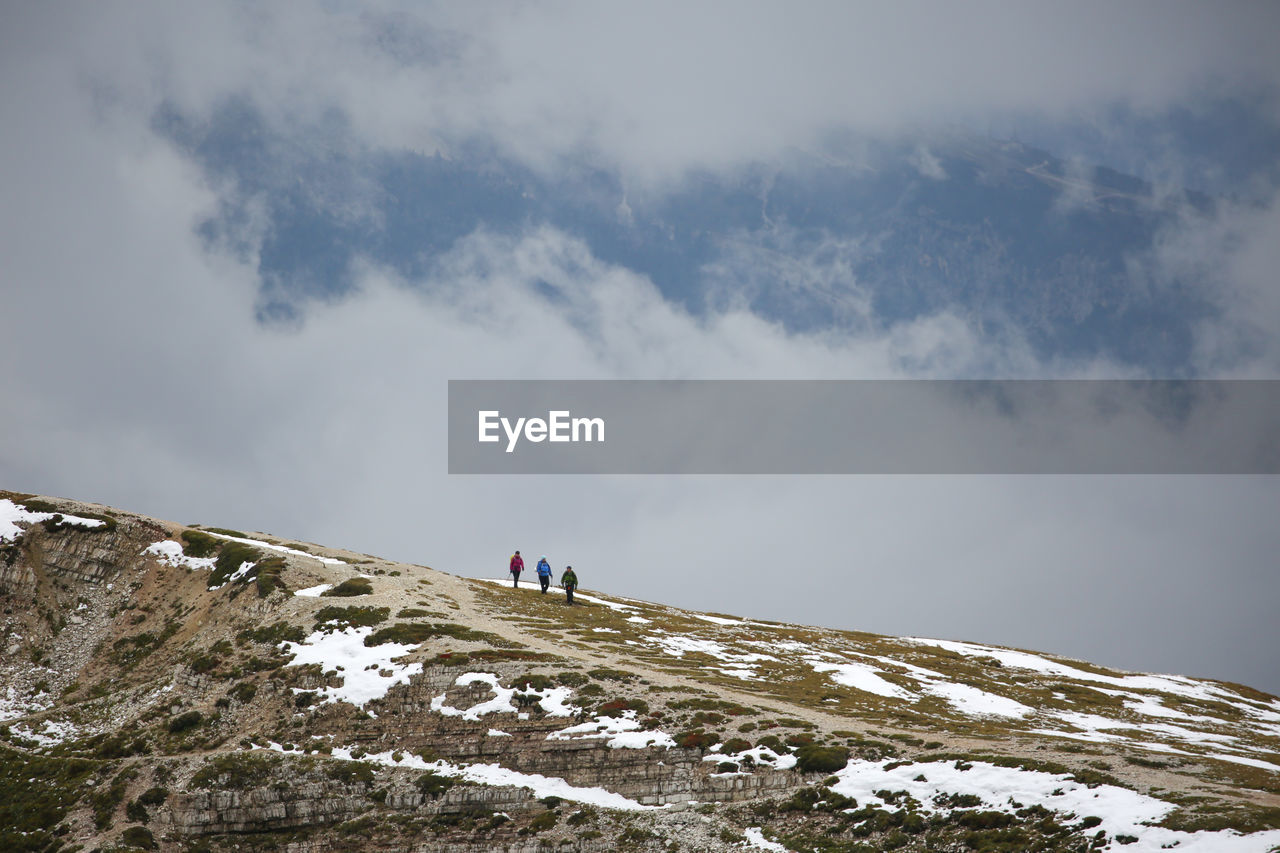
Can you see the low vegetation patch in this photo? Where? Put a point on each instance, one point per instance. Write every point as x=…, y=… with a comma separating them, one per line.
x=499, y=655
x=433, y=785
x=412, y=633
x=230, y=557
x=733, y=709
x=814, y=758
x=617, y=707
x=197, y=543
x=606, y=674
x=139, y=837
x=532, y=681
x=697, y=740
x=490, y=656
x=35, y=794
x=268, y=581
x=107, y=747
x=107, y=798
x=349, y=772
x=350, y=588
x=185, y=722
x=819, y=798
x=127, y=651
x=336, y=618
x=1213, y=819
x=236, y=771
x=272, y=635
x=541, y=823
x=226, y=531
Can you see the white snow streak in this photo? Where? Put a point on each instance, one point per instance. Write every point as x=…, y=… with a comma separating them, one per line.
x=11, y=515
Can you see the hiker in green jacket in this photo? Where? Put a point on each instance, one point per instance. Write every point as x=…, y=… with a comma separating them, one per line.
x=569, y=581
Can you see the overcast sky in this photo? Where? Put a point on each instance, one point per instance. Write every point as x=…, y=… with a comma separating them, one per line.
x=137, y=370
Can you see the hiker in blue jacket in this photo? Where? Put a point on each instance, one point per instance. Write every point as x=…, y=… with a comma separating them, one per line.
x=544, y=573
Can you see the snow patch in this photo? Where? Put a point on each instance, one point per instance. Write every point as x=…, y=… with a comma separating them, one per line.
x=677, y=644
x=368, y=672
x=716, y=620
x=11, y=515
x=1094, y=725
x=258, y=543
x=314, y=591
x=493, y=774
x=1248, y=762
x=975, y=702
x=861, y=676
x=51, y=734
x=12, y=707
x=171, y=553
x=499, y=704
x=762, y=755
x=238, y=574
x=1149, y=706
x=964, y=698
x=1123, y=812
x=756, y=839
x=1175, y=684
x=623, y=732
x=552, y=700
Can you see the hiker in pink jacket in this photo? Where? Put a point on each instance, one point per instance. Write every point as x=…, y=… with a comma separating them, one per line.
x=517, y=566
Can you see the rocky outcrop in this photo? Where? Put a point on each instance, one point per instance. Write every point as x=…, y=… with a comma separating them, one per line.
x=266, y=809
x=71, y=554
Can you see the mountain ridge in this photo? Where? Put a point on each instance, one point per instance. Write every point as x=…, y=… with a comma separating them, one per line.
x=293, y=696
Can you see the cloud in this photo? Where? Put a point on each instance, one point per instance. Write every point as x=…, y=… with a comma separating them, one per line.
x=658, y=90
x=927, y=164
x=1227, y=255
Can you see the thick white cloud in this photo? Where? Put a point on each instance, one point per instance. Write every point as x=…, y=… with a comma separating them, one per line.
x=657, y=89
x=1232, y=257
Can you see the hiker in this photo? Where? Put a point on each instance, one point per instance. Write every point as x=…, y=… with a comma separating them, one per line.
x=569, y=581
x=544, y=573
x=517, y=566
